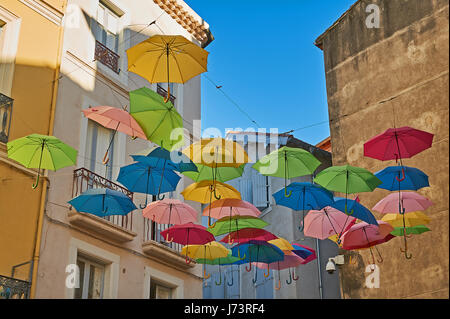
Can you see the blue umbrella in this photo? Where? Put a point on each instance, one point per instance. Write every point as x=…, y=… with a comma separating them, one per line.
x=257, y=251
x=355, y=209
x=142, y=178
x=304, y=196
x=161, y=158
x=103, y=202
x=392, y=178
x=301, y=252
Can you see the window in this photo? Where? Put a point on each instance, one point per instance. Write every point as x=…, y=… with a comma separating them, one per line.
x=98, y=140
x=105, y=27
x=91, y=279
x=159, y=290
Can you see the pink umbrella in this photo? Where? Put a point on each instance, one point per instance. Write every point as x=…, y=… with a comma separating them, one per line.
x=170, y=211
x=364, y=235
x=115, y=119
x=323, y=223
x=290, y=260
x=229, y=207
x=310, y=257
x=246, y=234
x=409, y=201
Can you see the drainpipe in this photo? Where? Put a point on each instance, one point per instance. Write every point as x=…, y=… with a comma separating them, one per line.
x=43, y=200
x=319, y=268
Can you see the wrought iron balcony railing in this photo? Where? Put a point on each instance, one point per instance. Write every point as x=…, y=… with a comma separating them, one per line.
x=106, y=56
x=84, y=179
x=162, y=91
x=6, y=105
x=11, y=288
x=152, y=231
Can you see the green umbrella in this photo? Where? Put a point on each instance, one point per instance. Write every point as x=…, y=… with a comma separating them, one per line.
x=416, y=230
x=228, y=225
x=228, y=260
x=287, y=162
x=157, y=119
x=221, y=174
x=41, y=152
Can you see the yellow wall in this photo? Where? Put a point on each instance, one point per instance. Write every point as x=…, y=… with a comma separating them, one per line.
x=32, y=90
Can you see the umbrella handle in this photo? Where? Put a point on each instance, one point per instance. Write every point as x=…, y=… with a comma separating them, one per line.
x=232, y=281
x=290, y=278
x=105, y=158
x=268, y=272
x=287, y=194
x=231, y=242
x=351, y=262
x=407, y=256
x=167, y=239
x=215, y=194
x=36, y=183
x=220, y=281
x=159, y=197
x=254, y=280
x=246, y=266
x=188, y=260
x=166, y=99
x=294, y=276
x=403, y=175
x=206, y=276
x=145, y=205
x=278, y=287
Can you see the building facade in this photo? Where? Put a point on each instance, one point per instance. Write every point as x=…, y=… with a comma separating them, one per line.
x=386, y=65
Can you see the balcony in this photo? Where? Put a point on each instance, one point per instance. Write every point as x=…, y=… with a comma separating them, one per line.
x=6, y=104
x=118, y=228
x=106, y=56
x=161, y=91
x=11, y=288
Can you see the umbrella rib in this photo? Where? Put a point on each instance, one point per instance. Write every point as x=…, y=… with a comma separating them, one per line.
x=178, y=66
x=34, y=153
x=159, y=124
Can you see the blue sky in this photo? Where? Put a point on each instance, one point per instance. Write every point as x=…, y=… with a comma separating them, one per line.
x=264, y=57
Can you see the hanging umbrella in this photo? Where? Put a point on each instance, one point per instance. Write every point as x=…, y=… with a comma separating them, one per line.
x=229, y=207
x=287, y=162
x=103, y=202
x=336, y=237
x=391, y=178
x=211, y=251
x=202, y=192
x=158, y=120
x=300, y=251
x=323, y=223
x=228, y=225
x=115, y=119
x=281, y=243
x=409, y=202
x=171, y=58
x=170, y=211
x=359, y=211
x=257, y=251
x=290, y=261
x=141, y=178
x=41, y=152
x=407, y=220
x=416, y=230
x=246, y=234
x=221, y=174
x=160, y=157
x=221, y=261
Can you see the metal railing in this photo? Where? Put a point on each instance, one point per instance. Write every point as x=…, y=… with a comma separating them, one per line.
x=84, y=179
x=106, y=56
x=11, y=288
x=163, y=92
x=6, y=105
x=152, y=231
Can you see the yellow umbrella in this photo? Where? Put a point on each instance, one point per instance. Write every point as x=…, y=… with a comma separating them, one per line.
x=411, y=219
x=202, y=192
x=171, y=58
x=281, y=243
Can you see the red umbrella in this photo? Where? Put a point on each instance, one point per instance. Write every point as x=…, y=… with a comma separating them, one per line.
x=245, y=234
x=310, y=257
x=188, y=233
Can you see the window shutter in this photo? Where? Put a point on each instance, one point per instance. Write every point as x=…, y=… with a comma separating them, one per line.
x=260, y=189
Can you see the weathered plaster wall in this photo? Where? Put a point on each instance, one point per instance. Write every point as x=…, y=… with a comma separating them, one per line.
x=396, y=75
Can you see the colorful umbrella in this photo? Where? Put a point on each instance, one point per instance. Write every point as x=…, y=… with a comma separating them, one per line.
x=391, y=178
x=407, y=220
x=290, y=261
x=103, y=202
x=115, y=119
x=211, y=251
x=287, y=162
x=41, y=152
x=230, y=224
x=171, y=58
x=300, y=251
x=409, y=202
x=229, y=207
x=221, y=174
x=323, y=223
x=170, y=211
x=202, y=192
x=416, y=230
x=281, y=243
x=357, y=210
x=221, y=261
x=246, y=234
x=141, y=178
x=160, y=121
x=161, y=158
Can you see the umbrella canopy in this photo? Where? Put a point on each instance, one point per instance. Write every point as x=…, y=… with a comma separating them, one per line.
x=391, y=178
x=221, y=174
x=323, y=223
x=365, y=235
x=103, y=202
x=160, y=158
x=300, y=251
x=281, y=243
x=347, y=179
x=170, y=211
x=217, y=152
x=416, y=230
x=203, y=191
x=409, y=219
x=188, y=234
x=304, y=196
x=211, y=251
x=221, y=261
x=115, y=119
x=246, y=234
x=228, y=225
x=167, y=58
x=258, y=251
x=398, y=143
x=409, y=201
x=359, y=211
x=160, y=121
x=374, y=243
x=228, y=207
x=41, y=152
x=289, y=261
